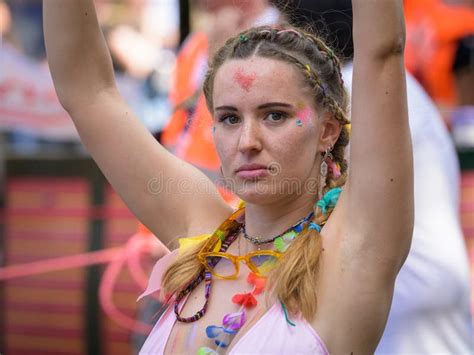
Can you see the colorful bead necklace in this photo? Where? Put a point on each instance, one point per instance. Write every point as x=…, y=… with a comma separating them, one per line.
x=232, y=322
x=258, y=241
x=227, y=234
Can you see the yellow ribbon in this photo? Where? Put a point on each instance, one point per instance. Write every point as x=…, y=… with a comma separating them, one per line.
x=185, y=243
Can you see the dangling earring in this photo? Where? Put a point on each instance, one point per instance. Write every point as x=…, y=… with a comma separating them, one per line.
x=325, y=161
x=323, y=170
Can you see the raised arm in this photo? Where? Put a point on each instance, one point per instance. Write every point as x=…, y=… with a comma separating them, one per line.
x=377, y=204
x=380, y=194
x=145, y=175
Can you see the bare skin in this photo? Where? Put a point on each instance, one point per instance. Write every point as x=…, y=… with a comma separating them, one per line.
x=247, y=134
x=361, y=257
x=265, y=132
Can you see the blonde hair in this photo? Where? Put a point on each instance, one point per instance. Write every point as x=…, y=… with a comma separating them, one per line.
x=182, y=271
x=293, y=281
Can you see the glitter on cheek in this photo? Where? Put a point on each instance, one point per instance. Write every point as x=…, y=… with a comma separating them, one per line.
x=244, y=80
x=305, y=115
x=299, y=123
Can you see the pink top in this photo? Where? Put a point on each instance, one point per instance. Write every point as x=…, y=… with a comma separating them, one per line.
x=271, y=334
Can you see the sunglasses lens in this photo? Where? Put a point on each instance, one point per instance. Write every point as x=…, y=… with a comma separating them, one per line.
x=221, y=266
x=264, y=263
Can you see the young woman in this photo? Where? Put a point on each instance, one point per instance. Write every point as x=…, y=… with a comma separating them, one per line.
x=322, y=273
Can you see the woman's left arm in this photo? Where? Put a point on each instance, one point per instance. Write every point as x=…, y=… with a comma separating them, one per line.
x=376, y=206
x=380, y=185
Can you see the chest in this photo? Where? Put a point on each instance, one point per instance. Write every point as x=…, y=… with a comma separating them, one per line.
x=189, y=337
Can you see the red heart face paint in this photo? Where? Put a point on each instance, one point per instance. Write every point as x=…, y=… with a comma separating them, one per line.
x=244, y=80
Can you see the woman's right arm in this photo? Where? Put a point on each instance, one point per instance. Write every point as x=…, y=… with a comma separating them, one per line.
x=168, y=195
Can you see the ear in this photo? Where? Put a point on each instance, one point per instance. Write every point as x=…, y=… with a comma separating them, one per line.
x=330, y=131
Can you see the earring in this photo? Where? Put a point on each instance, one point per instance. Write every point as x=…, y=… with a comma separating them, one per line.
x=327, y=156
x=325, y=161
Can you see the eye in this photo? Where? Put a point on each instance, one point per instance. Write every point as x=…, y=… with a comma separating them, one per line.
x=276, y=116
x=229, y=119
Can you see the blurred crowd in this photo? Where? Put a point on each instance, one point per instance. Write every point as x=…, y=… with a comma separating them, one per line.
x=144, y=36
x=160, y=68
x=144, y=39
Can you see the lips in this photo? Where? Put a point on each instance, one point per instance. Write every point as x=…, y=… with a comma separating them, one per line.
x=252, y=171
x=249, y=167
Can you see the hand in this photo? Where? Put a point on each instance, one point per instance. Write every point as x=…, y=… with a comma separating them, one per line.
x=225, y=23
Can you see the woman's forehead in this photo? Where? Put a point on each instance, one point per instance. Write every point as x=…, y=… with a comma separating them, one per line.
x=258, y=79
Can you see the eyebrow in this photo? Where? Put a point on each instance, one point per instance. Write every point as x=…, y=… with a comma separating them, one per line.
x=261, y=107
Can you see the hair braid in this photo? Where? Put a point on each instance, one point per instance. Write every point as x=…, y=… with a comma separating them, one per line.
x=329, y=53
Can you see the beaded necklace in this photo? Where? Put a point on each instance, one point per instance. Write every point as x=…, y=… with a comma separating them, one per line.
x=227, y=233
x=232, y=322
x=257, y=241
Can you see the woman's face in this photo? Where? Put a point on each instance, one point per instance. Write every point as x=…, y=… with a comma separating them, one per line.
x=266, y=129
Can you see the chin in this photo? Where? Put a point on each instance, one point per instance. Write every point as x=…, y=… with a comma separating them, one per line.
x=257, y=192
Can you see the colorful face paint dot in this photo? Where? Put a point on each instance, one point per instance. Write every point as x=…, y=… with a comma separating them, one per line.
x=304, y=115
x=299, y=123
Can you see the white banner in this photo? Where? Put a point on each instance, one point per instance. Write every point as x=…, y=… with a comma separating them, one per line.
x=28, y=102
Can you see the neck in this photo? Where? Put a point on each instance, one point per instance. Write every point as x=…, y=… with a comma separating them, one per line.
x=266, y=221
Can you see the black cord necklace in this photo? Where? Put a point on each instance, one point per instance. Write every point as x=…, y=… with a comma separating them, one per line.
x=258, y=241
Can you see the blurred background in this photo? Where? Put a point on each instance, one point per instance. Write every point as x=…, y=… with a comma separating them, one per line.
x=74, y=258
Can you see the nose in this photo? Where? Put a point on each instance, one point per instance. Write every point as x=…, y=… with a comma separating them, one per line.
x=250, y=137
